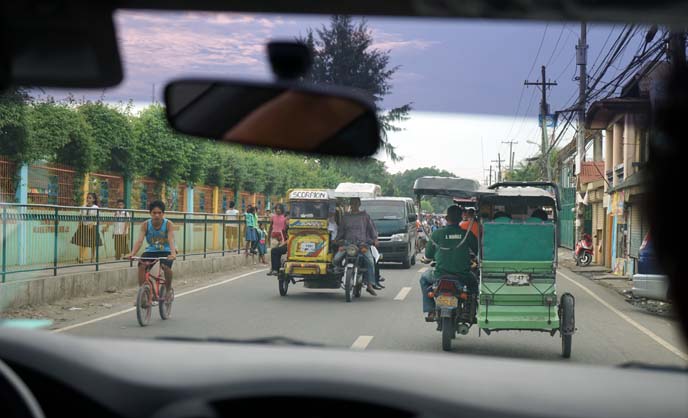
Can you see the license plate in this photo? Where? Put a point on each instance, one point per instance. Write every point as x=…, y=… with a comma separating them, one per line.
x=517, y=279
x=307, y=247
x=447, y=301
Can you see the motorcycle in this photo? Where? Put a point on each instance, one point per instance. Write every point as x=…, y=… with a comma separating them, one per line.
x=353, y=267
x=456, y=304
x=584, y=251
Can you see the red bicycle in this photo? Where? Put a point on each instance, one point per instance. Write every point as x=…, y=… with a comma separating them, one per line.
x=154, y=289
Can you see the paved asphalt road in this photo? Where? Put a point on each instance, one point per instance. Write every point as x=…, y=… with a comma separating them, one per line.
x=248, y=305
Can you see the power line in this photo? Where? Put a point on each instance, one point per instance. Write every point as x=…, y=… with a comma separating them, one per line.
x=538, y=51
x=523, y=88
x=555, y=46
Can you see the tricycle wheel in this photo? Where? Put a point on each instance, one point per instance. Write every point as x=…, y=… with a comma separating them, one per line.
x=283, y=285
x=447, y=333
x=567, y=323
x=348, y=284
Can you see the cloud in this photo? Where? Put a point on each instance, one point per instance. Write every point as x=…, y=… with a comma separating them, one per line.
x=395, y=41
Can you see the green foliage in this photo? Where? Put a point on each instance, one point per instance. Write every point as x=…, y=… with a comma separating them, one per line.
x=343, y=55
x=113, y=137
x=161, y=153
x=426, y=206
x=524, y=171
x=14, y=141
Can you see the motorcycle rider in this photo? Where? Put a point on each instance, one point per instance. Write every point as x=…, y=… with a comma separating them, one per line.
x=357, y=228
x=450, y=257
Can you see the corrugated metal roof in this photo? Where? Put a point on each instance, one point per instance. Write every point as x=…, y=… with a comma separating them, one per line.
x=591, y=171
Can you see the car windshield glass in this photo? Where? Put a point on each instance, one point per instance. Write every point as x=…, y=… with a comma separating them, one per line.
x=90, y=178
x=384, y=210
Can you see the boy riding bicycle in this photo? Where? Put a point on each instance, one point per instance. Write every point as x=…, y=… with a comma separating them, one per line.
x=159, y=234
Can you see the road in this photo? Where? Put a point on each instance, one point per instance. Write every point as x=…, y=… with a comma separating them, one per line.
x=248, y=305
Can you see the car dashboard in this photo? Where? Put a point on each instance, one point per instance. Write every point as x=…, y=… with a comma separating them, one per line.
x=80, y=376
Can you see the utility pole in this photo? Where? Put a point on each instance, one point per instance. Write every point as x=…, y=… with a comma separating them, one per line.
x=485, y=171
x=153, y=94
x=543, y=84
x=499, y=161
x=581, y=61
x=511, y=145
x=513, y=158
x=677, y=49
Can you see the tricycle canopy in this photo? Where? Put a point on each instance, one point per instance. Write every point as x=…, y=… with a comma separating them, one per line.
x=360, y=190
x=455, y=187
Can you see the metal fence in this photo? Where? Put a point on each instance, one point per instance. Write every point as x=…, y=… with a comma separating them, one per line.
x=46, y=237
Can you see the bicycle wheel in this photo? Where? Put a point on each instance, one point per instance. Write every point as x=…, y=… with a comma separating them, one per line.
x=144, y=305
x=166, y=299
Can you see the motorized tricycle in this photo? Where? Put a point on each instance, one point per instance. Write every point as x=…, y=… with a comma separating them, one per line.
x=309, y=246
x=516, y=282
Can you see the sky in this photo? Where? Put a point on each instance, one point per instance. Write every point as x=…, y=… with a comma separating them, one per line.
x=463, y=78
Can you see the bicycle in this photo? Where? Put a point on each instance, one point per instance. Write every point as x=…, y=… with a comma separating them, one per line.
x=153, y=289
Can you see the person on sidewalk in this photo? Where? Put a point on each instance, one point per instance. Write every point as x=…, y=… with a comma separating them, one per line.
x=87, y=234
x=232, y=227
x=120, y=233
x=251, y=235
x=262, y=243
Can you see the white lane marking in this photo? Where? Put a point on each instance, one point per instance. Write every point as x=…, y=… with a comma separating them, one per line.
x=423, y=270
x=659, y=340
x=362, y=342
x=402, y=293
x=102, y=318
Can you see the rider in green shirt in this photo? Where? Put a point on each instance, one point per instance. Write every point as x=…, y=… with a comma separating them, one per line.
x=451, y=248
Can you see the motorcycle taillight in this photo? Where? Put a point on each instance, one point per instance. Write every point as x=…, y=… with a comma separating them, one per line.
x=446, y=286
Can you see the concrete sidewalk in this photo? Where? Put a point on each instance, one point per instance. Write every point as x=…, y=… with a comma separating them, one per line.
x=82, y=281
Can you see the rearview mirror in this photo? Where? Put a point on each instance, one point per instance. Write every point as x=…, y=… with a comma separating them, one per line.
x=413, y=218
x=282, y=115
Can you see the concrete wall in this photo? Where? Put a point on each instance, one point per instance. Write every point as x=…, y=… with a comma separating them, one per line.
x=51, y=289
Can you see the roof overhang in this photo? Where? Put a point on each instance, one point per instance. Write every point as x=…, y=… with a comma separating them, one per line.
x=602, y=113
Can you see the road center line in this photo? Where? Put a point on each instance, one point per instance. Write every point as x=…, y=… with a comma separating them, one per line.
x=362, y=342
x=402, y=293
x=423, y=270
x=112, y=315
x=659, y=340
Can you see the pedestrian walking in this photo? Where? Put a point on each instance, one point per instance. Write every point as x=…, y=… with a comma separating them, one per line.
x=232, y=227
x=87, y=235
x=120, y=233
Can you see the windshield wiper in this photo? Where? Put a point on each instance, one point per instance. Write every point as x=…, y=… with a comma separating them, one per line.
x=648, y=366
x=278, y=340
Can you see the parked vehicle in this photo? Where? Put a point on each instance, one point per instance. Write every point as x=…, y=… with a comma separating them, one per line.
x=395, y=220
x=584, y=251
x=650, y=282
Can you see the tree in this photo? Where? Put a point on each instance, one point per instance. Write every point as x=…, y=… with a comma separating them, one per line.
x=113, y=137
x=404, y=184
x=161, y=153
x=524, y=171
x=14, y=140
x=343, y=55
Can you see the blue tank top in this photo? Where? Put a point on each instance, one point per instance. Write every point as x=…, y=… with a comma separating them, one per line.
x=157, y=238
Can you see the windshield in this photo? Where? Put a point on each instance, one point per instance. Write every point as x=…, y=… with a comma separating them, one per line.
x=317, y=210
x=384, y=210
x=89, y=179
